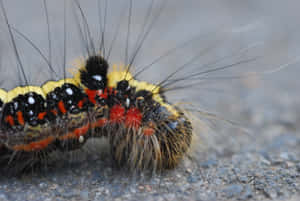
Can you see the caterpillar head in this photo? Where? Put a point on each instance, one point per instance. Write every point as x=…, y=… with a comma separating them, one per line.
x=93, y=75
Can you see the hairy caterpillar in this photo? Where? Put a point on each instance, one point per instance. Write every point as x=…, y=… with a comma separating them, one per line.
x=144, y=130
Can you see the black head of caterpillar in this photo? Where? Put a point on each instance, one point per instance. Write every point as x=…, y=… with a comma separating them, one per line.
x=93, y=76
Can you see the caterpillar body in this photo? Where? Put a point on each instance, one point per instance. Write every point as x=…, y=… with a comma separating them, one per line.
x=144, y=130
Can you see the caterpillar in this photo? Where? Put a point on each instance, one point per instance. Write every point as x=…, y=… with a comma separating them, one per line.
x=101, y=100
x=143, y=129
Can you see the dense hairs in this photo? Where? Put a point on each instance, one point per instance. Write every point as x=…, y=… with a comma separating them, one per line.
x=154, y=147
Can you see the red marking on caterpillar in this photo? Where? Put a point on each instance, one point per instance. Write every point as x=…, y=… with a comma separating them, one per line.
x=148, y=131
x=92, y=94
x=100, y=123
x=54, y=112
x=42, y=115
x=61, y=107
x=133, y=118
x=117, y=114
x=76, y=133
x=9, y=119
x=80, y=104
x=34, y=146
x=104, y=94
x=20, y=118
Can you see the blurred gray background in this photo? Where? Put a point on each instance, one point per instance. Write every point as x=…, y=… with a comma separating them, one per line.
x=256, y=157
x=222, y=30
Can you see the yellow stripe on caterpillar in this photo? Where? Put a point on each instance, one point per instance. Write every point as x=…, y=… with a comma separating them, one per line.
x=24, y=90
x=3, y=95
x=51, y=85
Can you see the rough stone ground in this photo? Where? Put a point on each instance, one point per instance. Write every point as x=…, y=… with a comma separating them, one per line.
x=226, y=163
